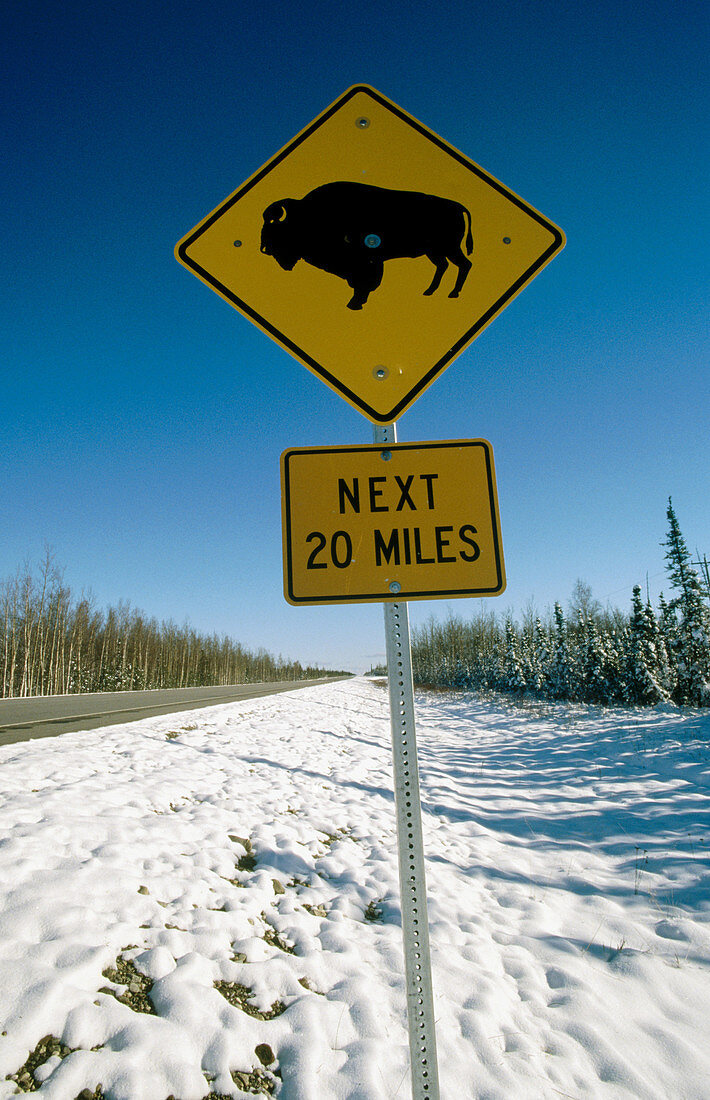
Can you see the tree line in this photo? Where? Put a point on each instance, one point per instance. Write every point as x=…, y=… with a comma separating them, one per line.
x=638, y=657
x=53, y=643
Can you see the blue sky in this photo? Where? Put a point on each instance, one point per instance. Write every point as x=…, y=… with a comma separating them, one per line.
x=143, y=418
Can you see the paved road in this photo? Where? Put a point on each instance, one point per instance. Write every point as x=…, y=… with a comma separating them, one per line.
x=48, y=715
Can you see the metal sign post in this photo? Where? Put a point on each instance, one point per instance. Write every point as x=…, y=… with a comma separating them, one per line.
x=412, y=878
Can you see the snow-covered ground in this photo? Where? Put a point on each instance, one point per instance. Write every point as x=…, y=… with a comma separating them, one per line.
x=243, y=859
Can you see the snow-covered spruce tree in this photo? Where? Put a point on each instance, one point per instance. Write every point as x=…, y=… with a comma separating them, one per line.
x=668, y=630
x=494, y=666
x=594, y=686
x=526, y=637
x=541, y=657
x=644, y=677
x=481, y=670
x=615, y=644
x=562, y=680
x=513, y=676
x=692, y=641
x=461, y=680
x=664, y=675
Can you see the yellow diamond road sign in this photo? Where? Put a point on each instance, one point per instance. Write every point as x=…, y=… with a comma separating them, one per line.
x=409, y=521
x=371, y=250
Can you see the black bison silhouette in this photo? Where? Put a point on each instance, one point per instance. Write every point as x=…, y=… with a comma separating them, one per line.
x=350, y=229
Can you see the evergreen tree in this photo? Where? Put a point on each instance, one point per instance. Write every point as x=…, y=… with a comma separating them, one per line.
x=541, y=656
x=615, y=664
x=668, y=632
x=592, y=664
x=662, y=669
x=645, y=678
x=666, y=672
x=527, y=653
x=692, y=640
x=494, y=667
x=513, y=675
x=562, y=678
x=461, y=679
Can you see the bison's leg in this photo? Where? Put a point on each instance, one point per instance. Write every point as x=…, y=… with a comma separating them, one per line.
x=441, y=264
x=363, y=281
x=464, y=265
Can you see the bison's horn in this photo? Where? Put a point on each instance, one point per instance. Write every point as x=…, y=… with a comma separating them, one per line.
x=276, y=212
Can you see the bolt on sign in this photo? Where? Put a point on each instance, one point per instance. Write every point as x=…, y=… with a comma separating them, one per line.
x=372, y=250
x=410, y=521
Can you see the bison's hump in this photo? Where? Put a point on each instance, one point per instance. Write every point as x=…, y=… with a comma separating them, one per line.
x=345, y=192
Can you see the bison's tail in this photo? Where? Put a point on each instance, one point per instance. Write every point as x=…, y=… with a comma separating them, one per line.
x=469, y=235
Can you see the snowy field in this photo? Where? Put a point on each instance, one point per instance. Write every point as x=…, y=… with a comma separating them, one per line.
x=206, y=904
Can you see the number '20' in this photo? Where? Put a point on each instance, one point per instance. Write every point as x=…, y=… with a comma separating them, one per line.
x=341, y=550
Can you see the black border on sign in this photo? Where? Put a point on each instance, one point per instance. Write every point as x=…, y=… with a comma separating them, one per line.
x=379, y=597
x=298, y=352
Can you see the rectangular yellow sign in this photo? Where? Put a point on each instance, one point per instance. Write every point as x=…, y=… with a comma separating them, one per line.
x=408, y=521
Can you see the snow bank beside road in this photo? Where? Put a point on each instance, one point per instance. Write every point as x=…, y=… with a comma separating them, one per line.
x=207, y=903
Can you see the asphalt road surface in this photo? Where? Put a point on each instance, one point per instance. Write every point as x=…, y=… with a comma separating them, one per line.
x=48, y=715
